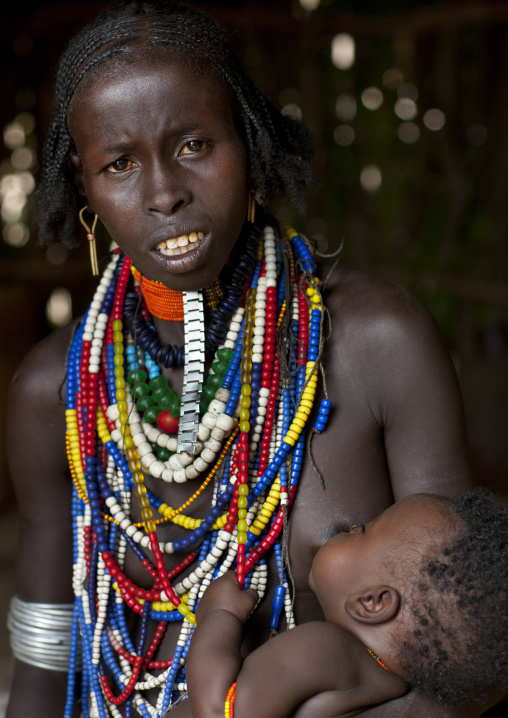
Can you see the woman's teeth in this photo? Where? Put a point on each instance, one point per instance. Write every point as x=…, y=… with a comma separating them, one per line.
x=180, y=245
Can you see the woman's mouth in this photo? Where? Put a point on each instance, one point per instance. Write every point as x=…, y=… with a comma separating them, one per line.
x=180, y=245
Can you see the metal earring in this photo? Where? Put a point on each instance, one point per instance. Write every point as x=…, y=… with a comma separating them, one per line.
x=251, y=208
x=90, y=235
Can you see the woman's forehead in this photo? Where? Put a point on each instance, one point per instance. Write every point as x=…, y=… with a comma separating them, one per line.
x=152, y=62
x=140, y=91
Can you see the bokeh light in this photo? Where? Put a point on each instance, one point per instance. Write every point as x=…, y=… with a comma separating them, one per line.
x=16, y=182
x=372, y=98
x=344, y=135
x=59, y=307
x=343, y=51
x=434, y=119
x=14, y=135
x=16, y=234
x=292, y=110
x=371, y=178
x=405, y=109
x=22, y=158
x=57, y=253
x=392, y=78
x=408, y=132
x=310, y=4
x=345, y=107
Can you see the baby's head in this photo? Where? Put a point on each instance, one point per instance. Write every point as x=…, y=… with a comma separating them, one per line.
x=425, y=586
x=456, y=650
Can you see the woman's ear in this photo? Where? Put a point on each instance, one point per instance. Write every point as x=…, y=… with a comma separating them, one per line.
x=76, y=167
x=375, y=605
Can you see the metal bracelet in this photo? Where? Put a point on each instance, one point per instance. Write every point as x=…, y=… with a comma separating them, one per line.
x=40, y=633
x=194, y=328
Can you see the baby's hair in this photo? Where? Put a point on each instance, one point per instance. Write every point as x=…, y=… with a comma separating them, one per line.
x=458, y=651
x=279, y=147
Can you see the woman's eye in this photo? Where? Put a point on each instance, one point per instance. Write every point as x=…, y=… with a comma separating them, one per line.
x=193, y=147
x=120, y=166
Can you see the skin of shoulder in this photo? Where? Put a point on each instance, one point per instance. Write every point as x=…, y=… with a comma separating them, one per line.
x=395, y=363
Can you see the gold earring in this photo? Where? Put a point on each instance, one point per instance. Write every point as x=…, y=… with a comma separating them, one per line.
x=251, y=208
x=90, y=235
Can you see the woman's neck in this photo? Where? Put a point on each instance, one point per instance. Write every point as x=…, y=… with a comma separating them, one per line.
x=169, y=332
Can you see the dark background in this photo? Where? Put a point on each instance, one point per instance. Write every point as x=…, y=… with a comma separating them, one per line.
x=437, y=222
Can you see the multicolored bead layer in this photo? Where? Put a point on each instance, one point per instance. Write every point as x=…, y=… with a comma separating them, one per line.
x=254, y=406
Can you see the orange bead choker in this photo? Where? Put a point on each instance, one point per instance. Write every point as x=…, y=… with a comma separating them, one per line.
x=166, y=303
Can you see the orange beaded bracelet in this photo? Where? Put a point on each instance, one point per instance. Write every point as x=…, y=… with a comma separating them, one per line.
x=229, y=706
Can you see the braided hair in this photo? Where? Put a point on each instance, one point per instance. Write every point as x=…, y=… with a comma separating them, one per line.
x=279, y=147
x=458, y=650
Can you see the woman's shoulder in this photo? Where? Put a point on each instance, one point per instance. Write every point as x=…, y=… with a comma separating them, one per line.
x=41, y=374
x=37, y=409
x=355, y=295
x=371, y=312
x=36, y=420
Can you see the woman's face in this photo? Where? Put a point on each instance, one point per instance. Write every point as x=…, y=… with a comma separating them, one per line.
x=163, y=166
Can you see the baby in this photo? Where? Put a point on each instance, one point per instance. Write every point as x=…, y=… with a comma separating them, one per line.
x=416, y=598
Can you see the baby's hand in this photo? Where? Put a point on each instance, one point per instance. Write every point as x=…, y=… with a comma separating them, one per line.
x=224, y=593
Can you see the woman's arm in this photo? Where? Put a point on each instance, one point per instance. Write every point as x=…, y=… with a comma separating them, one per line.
x=420, y=405
x=387, y=350
x=37, y=457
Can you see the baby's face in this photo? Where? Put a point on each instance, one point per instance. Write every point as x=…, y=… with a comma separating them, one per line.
x=368, y=555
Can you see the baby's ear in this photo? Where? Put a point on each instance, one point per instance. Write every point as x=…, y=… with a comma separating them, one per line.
x=76, y=167
x=374, y=605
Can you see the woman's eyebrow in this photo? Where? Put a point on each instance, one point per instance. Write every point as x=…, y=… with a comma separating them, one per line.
x=115, y=149
x=127, y=146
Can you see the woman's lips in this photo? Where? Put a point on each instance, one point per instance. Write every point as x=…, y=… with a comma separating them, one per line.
x=180, y=245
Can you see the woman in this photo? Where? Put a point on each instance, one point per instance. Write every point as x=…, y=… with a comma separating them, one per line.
x=163, y=138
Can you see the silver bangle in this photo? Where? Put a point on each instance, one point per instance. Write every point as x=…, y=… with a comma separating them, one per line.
x=40, y=633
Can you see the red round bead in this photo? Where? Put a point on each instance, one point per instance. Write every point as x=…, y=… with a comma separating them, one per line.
x=167, y=423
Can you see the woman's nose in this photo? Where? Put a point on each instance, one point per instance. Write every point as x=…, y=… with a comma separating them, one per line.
x=166, y=190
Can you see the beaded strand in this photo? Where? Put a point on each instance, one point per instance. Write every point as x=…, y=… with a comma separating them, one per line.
x=250, y=450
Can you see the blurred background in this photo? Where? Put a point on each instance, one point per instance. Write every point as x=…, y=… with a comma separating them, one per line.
x=409, y=105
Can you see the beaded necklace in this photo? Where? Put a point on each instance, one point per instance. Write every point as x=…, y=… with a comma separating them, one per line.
x=166, y=303
x=250, y=446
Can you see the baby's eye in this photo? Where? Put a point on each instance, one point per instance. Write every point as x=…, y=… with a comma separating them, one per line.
x=121, y=165
x=357, y=528
x=193, y=147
